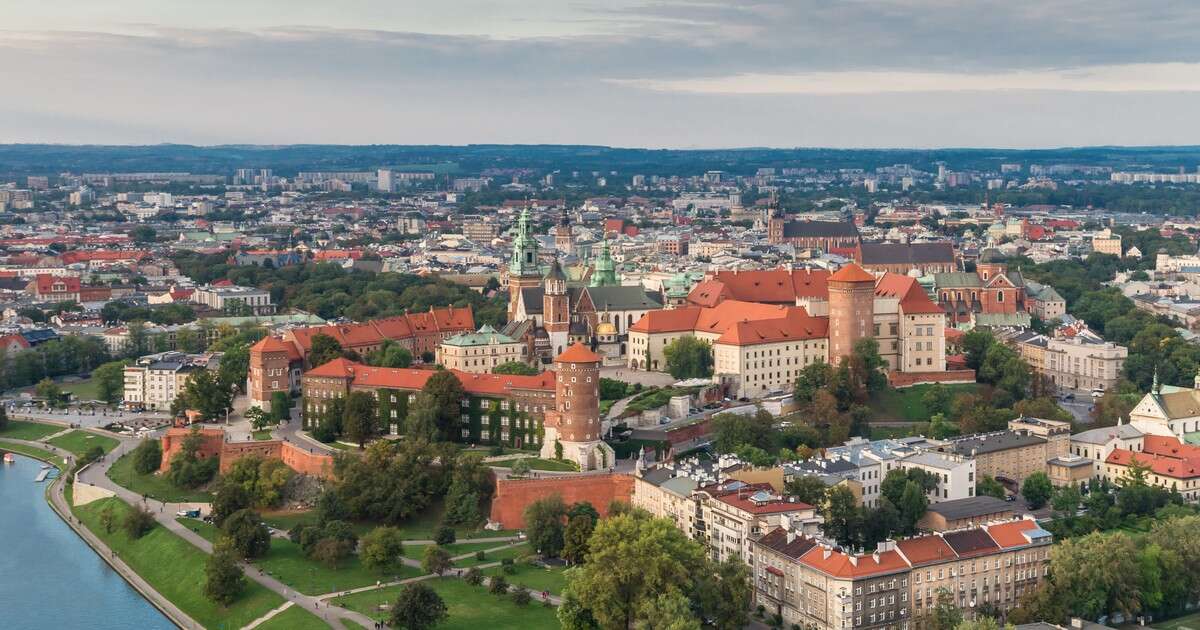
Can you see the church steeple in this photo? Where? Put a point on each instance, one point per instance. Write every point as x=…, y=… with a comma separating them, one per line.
x=564, y=238
x=604, y=273
x=524, y=261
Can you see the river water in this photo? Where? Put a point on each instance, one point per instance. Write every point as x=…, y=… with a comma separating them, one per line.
x=49, y=577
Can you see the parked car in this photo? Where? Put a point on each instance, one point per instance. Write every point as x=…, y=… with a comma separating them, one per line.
x=188, y=513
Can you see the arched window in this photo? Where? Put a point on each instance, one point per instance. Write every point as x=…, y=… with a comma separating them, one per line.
x=999, y=296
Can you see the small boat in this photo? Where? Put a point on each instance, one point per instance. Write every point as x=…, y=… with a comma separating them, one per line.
x=45, y=466
x=9, y=459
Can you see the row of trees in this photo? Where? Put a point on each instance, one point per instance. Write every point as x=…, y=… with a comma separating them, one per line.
x=902, y=503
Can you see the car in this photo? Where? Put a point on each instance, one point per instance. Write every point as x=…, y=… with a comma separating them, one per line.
x=188, y=513
x=1010, y=497
x=1097, y=393
x=1068, y=396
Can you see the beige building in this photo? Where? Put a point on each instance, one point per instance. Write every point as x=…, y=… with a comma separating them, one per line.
x=735, y=513
x=228, y=297
x=1105, y=242
x=1014, y=454
x=896, y=587
x=480, y=351
x=1083, y=362
x=154, y=381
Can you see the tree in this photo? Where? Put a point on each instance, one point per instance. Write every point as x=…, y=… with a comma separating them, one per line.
x=470, y=481
x=445, y=393
x=732, y=430
x=520, y=596
x=143, y=234
x=110, y=381
x=331, y=551
x=257, y=417
x=417, y=607
x=946, y=613
x=1066, y=501
x=187, y=469
x=689, y=357
x=382, y=549
x=544, y=525
x=726, y=594
x=498, y=585
x=324, y=349
x=575, y=538
x=147, y=457
x=1036, y=489
x=391, y=355
x=138, y=522
x=247, y=534
x=361, y=422
x=976, y=344
x=262, y=478
x=444, y=536
x=223, y=578
x=936, y=399
x=867, y=368
x=842, y=517
x=912, y=506
x=668, y=611
x=520, y=468
x=50, y=392
x=107, y=518
x=473, y=576
x=230, y=498
x=519, y=368
x=281, y=406
x=980, y=622
x=1095, y=575
x=206, y=394
x=633, y=559
x=807, y=488
x=989, y=487
x=435, y=560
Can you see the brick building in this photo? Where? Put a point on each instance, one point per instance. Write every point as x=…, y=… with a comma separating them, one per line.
x=824, y=235
x=902, y=258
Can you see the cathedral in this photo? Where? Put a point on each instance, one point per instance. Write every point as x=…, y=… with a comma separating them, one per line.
x=550, y=312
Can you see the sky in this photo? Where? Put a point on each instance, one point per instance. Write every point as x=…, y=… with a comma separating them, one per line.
x=633, y=73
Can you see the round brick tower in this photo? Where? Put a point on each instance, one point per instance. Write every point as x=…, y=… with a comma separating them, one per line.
x=851, y=310
x=572, y=430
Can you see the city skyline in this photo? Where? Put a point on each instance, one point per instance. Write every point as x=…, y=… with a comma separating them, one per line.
x=668, y=74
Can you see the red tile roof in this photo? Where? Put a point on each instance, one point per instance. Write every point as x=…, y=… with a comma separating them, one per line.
x=1012, y=533
x=779, y=286
x=851, y=273
x=912, y=297
x=738, y=323
x=839, y=564
x=925, y=550
x=275, y=344
x=577, y=353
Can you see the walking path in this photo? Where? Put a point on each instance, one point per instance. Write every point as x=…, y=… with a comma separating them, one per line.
x=264, y=618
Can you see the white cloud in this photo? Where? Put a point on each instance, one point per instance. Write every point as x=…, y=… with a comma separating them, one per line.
x=1156, y=77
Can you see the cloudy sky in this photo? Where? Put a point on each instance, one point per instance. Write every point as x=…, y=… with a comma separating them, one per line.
x=675, y=73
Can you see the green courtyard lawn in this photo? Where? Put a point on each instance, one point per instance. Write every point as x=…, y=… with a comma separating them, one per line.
x=294, y=618
x=518, y=551
x=265, y=434
x=881, y=433
x=419, y=527
x=87, y=389
x=537, y=463
x=906, y=404
x=467, y=607
x=533, y=576
x=287, y=563
x=33, y=452
x=1187, y=622
x=175, y=569
x=79, y=442
x=416, y=552
x=28, y=431
x=152, y=485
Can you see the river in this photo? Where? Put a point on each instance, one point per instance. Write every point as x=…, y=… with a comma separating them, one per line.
x=49, y=577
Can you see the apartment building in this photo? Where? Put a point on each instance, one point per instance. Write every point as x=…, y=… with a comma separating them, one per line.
x=1082, y=362
x=896, y=587
x=734, y=513
x=1167, y=462
x=1006, y=455
x=227, y=297
x=155, y=381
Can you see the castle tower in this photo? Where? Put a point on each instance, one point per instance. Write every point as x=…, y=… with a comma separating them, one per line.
x=524, y=270
x=564, y=238
x=604, y=274
x=556, y=316
x=851, y=310
x=270, y=371
x=574, y=425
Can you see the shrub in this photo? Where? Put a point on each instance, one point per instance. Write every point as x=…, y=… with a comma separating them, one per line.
x=138, y=522
x=521, y=596
x=444, y=535
x=498, y=585
x=474, y=577
x=481, y=555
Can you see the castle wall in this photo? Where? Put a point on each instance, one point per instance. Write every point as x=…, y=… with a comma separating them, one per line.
x=512, y=496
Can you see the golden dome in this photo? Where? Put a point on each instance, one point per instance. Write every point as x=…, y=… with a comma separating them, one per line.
x=605, y=328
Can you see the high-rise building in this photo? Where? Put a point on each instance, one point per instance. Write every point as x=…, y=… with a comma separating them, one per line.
x=384, y=182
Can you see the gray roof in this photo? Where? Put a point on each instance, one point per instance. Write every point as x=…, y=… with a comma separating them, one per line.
x=992, y=442
x=907, y=253
x=1102, y=435
x=820, y=229
x=623, y=298
x=970, y=507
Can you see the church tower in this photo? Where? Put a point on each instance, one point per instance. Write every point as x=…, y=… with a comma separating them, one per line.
x=573, y=428
x=524, y=270
x=604, y=274
x=564, y=238
x=556, y=316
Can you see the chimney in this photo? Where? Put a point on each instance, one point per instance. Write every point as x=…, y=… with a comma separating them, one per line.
x=853, y=559
x=826, y=552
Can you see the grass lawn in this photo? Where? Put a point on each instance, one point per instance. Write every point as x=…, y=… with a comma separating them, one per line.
x=416, y=552
x=534, y=577
x=420, y=527
x=467, y=607
x=496, y=556
x=28, y=431
x=1188, y=622
x=87, y=389
x=350, y=623
x=537, y=463
x=79, y=442
x=34, y=452
x=880, y=433
x=156, y=486
x=265, y=434
x=294, y=618
x=176, y=570
x=906, y=404
x=287, y=563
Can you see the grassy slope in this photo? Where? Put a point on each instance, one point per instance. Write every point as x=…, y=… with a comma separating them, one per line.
x=468, y=607
x=287, y=563
x=29, y=431
x=156, y=486
x=534, y=577
x=906, y=404
x=87, y=389
x=495, y=556
x=79, y=442
x=294, y=618
x=34, y=452
x=175, y=569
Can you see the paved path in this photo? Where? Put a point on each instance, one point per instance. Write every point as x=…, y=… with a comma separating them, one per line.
x=263, y=619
